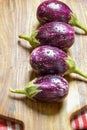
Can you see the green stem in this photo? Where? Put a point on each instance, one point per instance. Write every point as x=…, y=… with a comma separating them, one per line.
x=31, y=39
x=74, y=22
x=77, y=71
x=79, y=25
x=30, y=90
x=19, y=91
x=25, y=37
x=72, y=67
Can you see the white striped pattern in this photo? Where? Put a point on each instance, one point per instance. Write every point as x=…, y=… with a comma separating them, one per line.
x=86, y=114
x=73, y=124
x=17, y=127
x=9, y=126
x=81, y=124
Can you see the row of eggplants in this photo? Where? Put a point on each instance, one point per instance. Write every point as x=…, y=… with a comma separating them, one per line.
x=48, y=58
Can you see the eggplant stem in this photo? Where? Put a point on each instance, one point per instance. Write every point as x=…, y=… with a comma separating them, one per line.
x=25, y=37
x=19, y=91
x=75, y=22
x=78, y=24
x=31, y=39
x=77, y=71
x=72, y=68
x=30, y=90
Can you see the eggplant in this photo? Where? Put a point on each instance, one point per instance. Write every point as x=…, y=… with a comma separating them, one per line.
x=49, y=88
x=58, y=34
x=55, y=10
x=52, y=60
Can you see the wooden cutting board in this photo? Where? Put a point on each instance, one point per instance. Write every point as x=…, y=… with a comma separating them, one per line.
x=19, y=16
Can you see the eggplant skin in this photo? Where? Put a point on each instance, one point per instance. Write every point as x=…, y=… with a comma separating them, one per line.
x=48, y=60
x=58, y=34
x=53, y=10
x=54, y=88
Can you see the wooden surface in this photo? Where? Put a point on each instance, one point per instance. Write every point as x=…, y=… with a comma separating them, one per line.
x=19, y=16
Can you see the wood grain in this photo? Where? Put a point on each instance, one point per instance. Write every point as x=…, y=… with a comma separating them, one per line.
x=19, y=16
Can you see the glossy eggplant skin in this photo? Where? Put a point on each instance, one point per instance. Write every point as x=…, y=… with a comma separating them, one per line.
x=48, y=60
x=54, y=88
x=48, y=89
x=56, y=34
x=53, y=10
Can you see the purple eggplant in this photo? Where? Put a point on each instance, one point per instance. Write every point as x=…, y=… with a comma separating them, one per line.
x=56, y=34
x=54, y=10
x=52, y=60
x=49, y=88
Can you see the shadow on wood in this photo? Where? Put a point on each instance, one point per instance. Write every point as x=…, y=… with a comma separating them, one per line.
x=40, y=107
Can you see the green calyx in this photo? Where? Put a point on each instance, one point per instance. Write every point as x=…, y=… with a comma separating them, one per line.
x=75, y=22
x=30, y=90
x=32, y=39
x=71, y=65
x=72, y=68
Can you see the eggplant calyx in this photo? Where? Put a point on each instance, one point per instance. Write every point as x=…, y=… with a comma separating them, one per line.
x=71, y=65
x=30, y=89
x=31, y=39
x=72, y=68
x=75, y=22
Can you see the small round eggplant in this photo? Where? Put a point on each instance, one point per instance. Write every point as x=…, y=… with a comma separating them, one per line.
x=49, y=88
x=56, y=34
x=52, y=60
x=54, y=10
